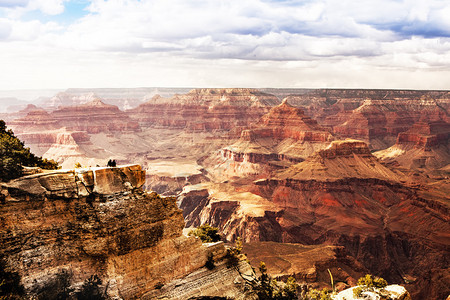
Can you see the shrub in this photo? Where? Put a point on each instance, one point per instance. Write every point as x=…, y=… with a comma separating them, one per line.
x=267, y=288
x=369, y=283
x=233, y=253
x=314, y=294
x=14, y=155
x=206, y=233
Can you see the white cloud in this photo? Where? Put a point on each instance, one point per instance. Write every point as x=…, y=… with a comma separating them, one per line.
x=197, y=42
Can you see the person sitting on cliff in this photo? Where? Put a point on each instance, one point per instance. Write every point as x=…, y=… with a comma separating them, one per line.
x=111, y=163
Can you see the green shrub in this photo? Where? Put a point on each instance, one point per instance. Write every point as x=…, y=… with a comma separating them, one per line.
x=314, y=294
x=369, y=283
x=206, y=233
x=268, y=288
x=14, y=155
x=233, y=253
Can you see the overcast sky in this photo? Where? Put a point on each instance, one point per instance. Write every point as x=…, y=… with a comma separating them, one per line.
x=231, y=43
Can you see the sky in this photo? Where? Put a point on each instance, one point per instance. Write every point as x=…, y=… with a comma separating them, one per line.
x=46, y=44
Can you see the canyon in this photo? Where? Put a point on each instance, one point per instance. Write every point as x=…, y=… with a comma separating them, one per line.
x=61, y=228
x=354, y=181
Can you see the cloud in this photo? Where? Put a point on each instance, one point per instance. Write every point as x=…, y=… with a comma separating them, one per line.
x=17, y=8
x=13, y=3
x=394, y=36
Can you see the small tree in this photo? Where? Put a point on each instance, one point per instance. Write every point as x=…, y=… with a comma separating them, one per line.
x=268, y=288
x=233, y=253
x=14, y=155
x=206, y=233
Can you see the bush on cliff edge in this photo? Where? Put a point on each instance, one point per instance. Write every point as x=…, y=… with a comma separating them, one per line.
x=14, y=155
x=206, y=233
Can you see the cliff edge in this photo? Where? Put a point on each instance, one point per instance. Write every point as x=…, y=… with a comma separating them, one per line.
x=62, y=229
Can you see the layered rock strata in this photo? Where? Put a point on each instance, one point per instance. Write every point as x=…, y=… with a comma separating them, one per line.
x=306, y=263
x=344, y=196
x=375, y=116
x=424, y=145
x=284, y=133
x=91, y=117
x=378, y=122
x=60, y=228
x=205, y=109
x=222, y=281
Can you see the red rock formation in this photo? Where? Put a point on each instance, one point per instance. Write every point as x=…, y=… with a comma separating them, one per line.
x=91, y=117
x=205, y=109
x=94, y=117
x=380, y=121
x=344, y=196
x=375, y=116
x=284, y=133
x=424, y=145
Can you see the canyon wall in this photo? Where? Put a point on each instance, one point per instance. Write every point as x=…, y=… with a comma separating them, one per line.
x=345, y=196
x=205, y=109
x=60, y=228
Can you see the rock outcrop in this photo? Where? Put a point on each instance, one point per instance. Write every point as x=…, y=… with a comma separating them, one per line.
x=205, y=109
x=394, y=292
x=341, y=159
x=60, y=228
x=306, y=263
x=375, y=116
x=91, y=117
x=378, y=122
x=424, y=145
x=281, y=137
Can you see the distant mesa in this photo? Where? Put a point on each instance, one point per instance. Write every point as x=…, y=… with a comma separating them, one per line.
x=284, y=133
x=423, y=146
x=204, y=109
x=93, y=117
x=341, y=159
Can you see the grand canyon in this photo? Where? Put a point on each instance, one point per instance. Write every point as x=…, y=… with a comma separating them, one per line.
x=312, y=181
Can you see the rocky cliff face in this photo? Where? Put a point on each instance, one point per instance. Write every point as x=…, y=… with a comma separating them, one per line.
x=423, y=146
x=375, y=116
x=284, y=134
x=91, y=117
x=205, y=109
x=60, y=228
x=345, y=196
x=380, y=121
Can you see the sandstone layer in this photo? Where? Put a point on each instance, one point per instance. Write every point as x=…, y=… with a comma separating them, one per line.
x=60, y=228
x=424, y=145
x=375, y=116
x=306, y=263
x=205, y=109
x=281, y=137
